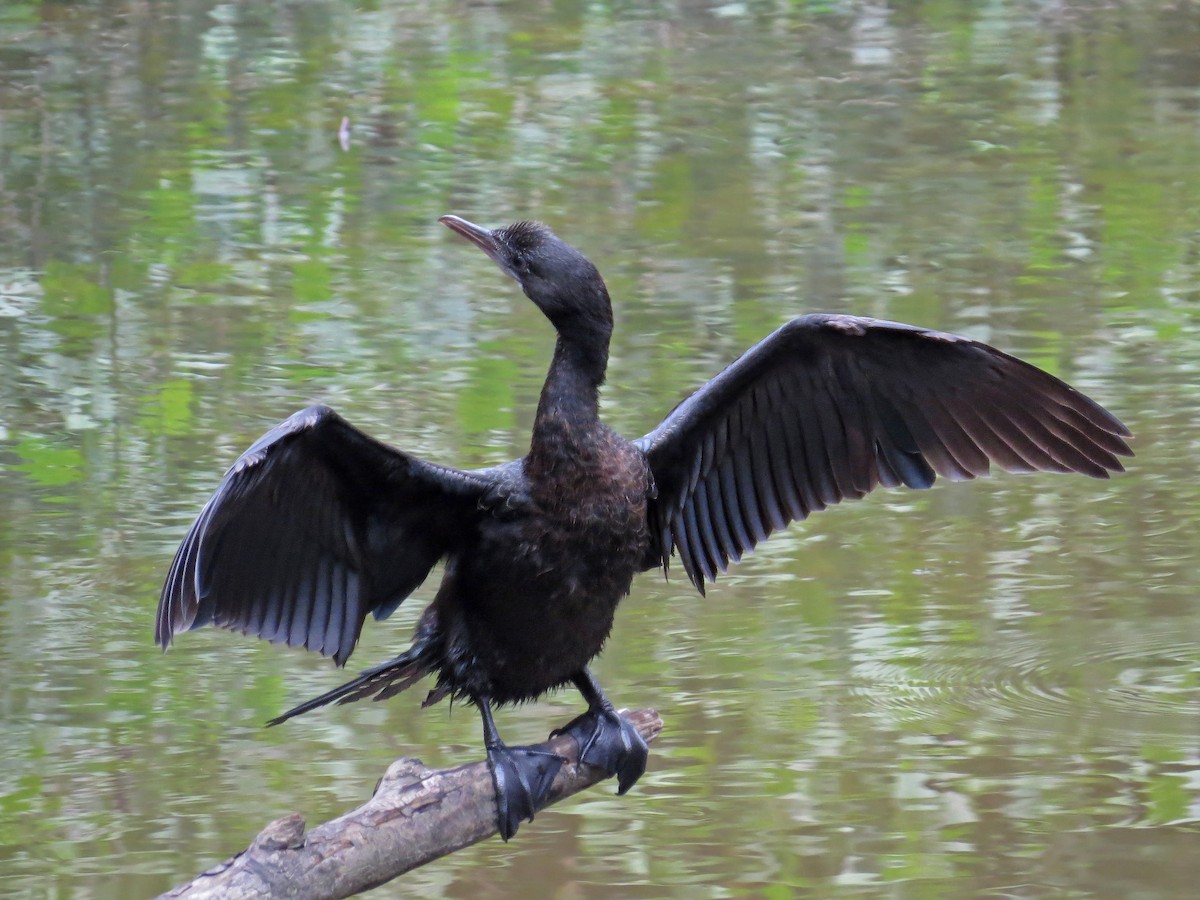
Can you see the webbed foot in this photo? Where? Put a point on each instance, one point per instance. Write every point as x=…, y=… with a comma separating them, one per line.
x=608, y=741
x=522, y=777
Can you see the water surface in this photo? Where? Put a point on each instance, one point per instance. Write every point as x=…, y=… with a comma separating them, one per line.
x=983, y=689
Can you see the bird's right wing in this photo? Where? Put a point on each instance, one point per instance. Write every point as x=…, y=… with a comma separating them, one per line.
x=829, y=406
x=315, y=526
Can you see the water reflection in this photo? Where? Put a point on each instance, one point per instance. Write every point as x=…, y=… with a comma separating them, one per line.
x=986, y=688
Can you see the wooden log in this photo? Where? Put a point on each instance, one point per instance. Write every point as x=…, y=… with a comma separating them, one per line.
x=415, y=816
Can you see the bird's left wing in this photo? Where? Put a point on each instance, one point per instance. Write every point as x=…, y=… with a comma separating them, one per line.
x=315, y=526
x=829, y=406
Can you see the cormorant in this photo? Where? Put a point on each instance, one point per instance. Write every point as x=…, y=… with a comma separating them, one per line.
x=316, y=524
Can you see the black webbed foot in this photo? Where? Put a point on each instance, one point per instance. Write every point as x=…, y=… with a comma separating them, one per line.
x=522, y=776
x=607, y=740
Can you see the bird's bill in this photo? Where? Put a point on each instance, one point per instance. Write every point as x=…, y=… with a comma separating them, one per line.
x=481, y=237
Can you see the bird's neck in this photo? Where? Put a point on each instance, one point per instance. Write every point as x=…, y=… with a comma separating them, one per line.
x=568, y=412
x=571, y=393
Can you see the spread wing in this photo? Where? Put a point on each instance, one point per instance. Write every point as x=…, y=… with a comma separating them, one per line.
x=312, y=528
x=829, y=406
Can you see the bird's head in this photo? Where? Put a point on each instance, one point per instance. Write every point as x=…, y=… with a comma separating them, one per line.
x=560, y=280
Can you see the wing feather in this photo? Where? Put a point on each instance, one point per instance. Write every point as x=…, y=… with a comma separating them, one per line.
x=828, y=407
x=312, y=528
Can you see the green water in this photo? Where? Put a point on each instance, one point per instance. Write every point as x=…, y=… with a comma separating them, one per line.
x=987, y=689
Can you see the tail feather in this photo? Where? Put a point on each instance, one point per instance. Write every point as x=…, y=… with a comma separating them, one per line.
x=384, y=680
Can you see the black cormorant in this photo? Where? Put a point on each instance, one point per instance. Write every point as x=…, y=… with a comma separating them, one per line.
x=316, y=524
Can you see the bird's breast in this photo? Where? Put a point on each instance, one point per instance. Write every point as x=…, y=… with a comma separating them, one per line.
x=539, y=590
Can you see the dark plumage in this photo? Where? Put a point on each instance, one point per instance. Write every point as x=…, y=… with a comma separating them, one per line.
x=317, y=524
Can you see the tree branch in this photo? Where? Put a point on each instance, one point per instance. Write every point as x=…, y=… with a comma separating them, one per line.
x=416, y=815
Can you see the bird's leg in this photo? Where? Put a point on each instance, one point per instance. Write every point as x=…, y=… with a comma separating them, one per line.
x=606, y=740
x=521, y=775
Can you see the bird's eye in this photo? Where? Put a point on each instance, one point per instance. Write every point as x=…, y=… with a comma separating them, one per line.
x=520, y=262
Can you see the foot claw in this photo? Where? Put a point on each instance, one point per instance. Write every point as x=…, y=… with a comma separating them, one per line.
x=522, y=777
x=609, y=742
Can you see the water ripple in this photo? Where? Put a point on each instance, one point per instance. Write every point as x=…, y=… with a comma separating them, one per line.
x=1149, y=674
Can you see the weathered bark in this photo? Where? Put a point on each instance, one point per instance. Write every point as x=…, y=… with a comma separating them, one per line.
x=416, y=815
